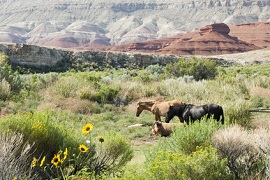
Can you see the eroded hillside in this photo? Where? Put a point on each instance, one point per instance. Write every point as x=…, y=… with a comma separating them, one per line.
x=80, y=23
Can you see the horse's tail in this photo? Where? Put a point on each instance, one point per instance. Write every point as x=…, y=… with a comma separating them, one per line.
x=222, y=115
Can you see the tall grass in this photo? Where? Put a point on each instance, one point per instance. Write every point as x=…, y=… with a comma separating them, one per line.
x=247, y=151
x=108, y=100
x=14, y=156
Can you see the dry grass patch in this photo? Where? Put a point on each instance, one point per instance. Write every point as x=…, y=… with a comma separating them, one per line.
x=247, y=151
x=261, y=92
x=14, y=156
x=47, y=105
x=260, y=120
x=77, y=105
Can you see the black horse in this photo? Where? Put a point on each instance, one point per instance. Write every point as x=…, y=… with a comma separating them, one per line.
x=192, y=112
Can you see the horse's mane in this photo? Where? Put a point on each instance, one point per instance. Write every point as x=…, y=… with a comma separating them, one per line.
x=186, y=104
x=152, y=101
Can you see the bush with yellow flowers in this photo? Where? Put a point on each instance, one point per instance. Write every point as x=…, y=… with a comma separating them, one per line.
x=59, y=152
x=42, y=130
x=95, y=157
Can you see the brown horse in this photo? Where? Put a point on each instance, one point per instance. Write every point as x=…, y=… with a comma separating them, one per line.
x=158, y=108
x=145, y=105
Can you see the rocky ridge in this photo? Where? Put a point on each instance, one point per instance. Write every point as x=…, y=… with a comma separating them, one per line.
x=99, y=23
x=254, y=33
x=42, y=59
x=210, y=40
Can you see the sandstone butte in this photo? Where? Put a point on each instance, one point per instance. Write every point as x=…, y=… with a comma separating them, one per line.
x=214, y=39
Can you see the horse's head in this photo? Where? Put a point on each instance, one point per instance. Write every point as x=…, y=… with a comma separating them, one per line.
x=156, y=127
x=170, y=114
x=144, y=106
x=139, y=109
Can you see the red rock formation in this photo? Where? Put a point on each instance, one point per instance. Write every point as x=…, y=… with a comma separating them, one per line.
x=256, y=33
x=221, y=28
x=210, y=40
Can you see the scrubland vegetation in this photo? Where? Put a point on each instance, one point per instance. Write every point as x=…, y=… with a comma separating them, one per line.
x=74, y=125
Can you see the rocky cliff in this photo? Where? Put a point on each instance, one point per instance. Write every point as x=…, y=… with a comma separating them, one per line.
x=88, y=24
x=42, y=59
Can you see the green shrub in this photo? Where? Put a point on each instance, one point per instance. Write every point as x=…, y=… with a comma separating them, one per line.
x=198, y=68
x=10, y=76
x=239, y=113
x=105, y=94
x=88, y=76
x=155, y=69
x=40, y=129
x=144, y=77
x=263, y=82
x=36, y=82
x=67, y=86
x=258, y=102
x=204, y=163
x=87, y=91
x=98, y=155
x=101, y=156
x=186, y=139
x=5, y=89
x=114, y=153
x=150, y=73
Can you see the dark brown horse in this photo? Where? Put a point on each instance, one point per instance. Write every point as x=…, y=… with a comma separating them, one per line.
x=191, y=112
x=158, y=108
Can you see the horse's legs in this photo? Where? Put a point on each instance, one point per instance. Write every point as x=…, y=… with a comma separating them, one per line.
x=187, y=120
x=157, y=117
x=181, y=120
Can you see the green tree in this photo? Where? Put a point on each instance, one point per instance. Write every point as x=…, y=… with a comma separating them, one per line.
x=8, y=75
x=196, y=67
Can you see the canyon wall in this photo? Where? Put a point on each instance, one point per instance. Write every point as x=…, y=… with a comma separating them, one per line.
x=42, y=59
x=90, y=24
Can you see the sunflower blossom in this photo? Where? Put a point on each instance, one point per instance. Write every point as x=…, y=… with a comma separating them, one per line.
x=55, y=160
x=83, y=148
x=34, y=162
x=87, y=128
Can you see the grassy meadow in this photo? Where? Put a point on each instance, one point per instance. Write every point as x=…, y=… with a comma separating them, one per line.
x=75, y=124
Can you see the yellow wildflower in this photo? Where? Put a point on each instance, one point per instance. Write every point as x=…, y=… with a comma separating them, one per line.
x=83, y=148
x=42, y=161
x=55, y=160
x=65, y=155
x=34, y=162
x=87, y=128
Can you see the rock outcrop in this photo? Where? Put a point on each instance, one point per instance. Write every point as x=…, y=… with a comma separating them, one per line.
x=86, y=24
x=255, y=33
x=210, y=40
x=42, y=59
x=219, y=28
